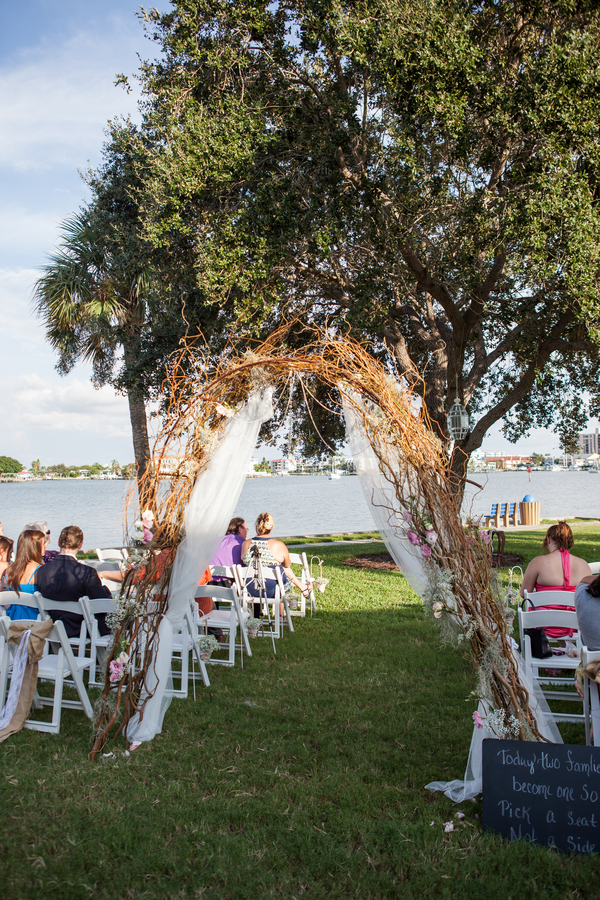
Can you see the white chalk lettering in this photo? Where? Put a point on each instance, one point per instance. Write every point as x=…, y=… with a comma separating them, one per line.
x=529, y=787
x=510, y=758
x=582, y=821
x=515, y=812
x=550, y=817
x=523, y=835
x=580, y=847
x=548, y=763
x=565, y=793
x=592, y=796
x=587, y=768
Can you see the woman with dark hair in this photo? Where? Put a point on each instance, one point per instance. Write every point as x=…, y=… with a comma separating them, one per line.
x=587, y=604
x=21, y=575
x=556, y=571
x=6, y=550
x=229, y=552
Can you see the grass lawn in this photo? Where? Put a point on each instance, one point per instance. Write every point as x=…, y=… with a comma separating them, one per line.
x=301, y=776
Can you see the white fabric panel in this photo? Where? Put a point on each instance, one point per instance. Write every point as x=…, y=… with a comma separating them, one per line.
x=382, y=501
x=458, y=790
x=209, y=511
x=18, y=673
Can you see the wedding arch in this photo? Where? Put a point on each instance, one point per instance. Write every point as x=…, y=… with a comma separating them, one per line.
x=213, y=416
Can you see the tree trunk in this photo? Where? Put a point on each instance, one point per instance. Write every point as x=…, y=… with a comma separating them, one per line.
x=141, y=444
x=457, y=473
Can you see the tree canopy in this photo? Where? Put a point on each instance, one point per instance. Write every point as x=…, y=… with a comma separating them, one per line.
x=9, y=465
x=424, y=172
x=109, y=297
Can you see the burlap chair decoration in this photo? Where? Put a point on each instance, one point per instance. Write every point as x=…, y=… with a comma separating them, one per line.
x=36, y=640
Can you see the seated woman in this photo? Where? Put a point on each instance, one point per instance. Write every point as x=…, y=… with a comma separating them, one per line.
x=6, y=550
x=271, y=553
x=557, y=571
x=20, y=576
x=587, y=604
x=229, y=552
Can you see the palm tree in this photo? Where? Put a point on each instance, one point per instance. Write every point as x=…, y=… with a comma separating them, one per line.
x=92, y=298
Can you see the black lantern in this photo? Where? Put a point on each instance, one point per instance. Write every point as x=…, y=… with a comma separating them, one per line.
x=458, y=421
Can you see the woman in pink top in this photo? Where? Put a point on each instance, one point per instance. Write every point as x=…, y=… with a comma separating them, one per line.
x=556, y=571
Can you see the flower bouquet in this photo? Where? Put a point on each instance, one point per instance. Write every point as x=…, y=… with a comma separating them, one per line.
x=207, y=644
x=253, y=626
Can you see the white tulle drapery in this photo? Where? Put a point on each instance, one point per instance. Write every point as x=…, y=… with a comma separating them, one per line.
x=381, y=498
x=210, y=508
x=383, y=504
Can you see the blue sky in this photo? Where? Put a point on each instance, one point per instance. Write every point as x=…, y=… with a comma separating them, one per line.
x=58, y=62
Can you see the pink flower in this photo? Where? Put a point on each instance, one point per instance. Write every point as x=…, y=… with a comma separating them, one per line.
x=485, y=536
x=407, y=516
x=116, y=670
x=477, y=719
x=448, y=826
x=122, y=657
x=460, y=815
x=413, y=538
x=147, y=535
x=426, y=551
x=431, y=537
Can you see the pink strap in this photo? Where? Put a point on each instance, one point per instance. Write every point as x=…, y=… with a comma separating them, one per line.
x=566, y=564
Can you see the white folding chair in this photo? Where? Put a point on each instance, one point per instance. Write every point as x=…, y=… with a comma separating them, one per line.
x=112, y=555
x=183, y=644
x=553, y=619
x=98, y=642
x=595, y=567
x=260, y=574
x=591, y=700
x=56, y=667
x=300, y=559
x=226, y=619
x=551, y=598
x=45, y=606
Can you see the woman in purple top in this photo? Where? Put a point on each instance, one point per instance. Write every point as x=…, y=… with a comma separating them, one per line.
x=230, y=548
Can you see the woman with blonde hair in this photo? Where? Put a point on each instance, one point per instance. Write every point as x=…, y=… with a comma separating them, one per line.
x=271, y=553
x=558, y=570
x=20, y=576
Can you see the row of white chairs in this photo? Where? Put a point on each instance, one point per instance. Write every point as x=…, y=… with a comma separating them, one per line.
x=556, y=674
x=72, y=657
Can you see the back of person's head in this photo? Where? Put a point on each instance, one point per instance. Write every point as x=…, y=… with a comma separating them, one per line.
x=30, y=547
x=71, y=538
x=561, y=534
x=38, y=525
x=264, y=524
x=6, y=544
x=594, y=587
x=235, y=525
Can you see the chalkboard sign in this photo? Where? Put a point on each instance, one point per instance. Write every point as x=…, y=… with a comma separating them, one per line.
x=547, y=794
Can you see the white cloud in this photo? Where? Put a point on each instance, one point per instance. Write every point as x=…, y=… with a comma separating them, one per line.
x=72, y=406
x=21, y=332
x=57, y=98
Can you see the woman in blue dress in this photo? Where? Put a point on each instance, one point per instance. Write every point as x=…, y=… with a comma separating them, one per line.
x=21, y=575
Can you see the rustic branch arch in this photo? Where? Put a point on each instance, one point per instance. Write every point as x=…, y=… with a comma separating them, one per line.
x=419, y=513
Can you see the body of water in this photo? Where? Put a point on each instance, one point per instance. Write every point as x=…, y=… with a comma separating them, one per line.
x=308, y=504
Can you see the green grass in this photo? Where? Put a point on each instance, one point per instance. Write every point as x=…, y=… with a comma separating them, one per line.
x=332, y=538
x=301, y=776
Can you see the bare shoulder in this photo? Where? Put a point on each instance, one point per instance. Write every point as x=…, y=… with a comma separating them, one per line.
x=279, y=550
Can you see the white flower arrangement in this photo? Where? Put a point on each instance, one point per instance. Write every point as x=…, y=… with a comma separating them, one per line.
x=207, y=644
x=253, y=626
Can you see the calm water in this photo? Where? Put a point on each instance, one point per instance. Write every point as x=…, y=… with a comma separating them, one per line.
x=309, y=504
